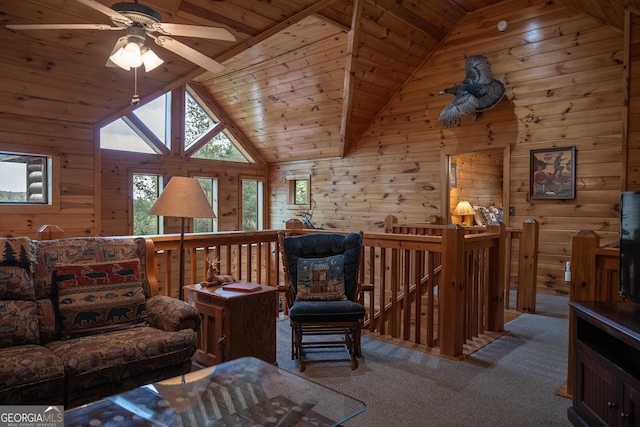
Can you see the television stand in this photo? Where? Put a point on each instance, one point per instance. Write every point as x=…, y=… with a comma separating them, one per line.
x=606, y=366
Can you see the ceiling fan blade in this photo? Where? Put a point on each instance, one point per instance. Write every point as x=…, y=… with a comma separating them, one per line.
x=116, y=16
x=189, y=53
x=215, y=33
x=62, y=27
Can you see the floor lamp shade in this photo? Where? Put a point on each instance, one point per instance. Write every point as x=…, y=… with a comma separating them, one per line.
x=183, y=198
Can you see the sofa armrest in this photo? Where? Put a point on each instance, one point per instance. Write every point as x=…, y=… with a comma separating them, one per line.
x=171, y=314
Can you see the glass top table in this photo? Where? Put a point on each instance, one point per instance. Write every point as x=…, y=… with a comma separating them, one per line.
x=241, y=392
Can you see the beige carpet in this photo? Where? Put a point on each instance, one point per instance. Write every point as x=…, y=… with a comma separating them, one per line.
x=511, y=381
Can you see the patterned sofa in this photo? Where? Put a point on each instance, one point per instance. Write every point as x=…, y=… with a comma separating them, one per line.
x=81, y=319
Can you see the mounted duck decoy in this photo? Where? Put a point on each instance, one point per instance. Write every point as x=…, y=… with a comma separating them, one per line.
x=478, y=92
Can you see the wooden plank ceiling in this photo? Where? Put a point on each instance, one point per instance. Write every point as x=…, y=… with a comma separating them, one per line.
x=303, y=80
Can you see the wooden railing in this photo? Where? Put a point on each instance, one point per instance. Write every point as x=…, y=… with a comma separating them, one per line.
x=594, y=277
x=520, y=262
x=399, y=271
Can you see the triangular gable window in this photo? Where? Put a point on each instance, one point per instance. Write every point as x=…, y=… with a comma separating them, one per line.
x=220, y=147
x=145, y=130
x=197, y=122
x=206, y=137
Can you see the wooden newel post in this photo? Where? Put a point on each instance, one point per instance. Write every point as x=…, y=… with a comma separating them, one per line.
x=496, y=279
x=293, y=224
x=583, y=282
x=389, y=222
x=583, y=266
x=528, y=266
x=451, y=335
x=50, y=232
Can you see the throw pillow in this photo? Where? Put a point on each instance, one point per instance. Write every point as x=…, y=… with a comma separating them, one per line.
x=321, y=278
x=104, y=296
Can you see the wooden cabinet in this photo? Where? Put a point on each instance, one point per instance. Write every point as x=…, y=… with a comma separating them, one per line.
x=234, y=324
x=606, y=368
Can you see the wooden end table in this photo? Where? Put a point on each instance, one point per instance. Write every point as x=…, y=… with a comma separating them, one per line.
x=234, y=323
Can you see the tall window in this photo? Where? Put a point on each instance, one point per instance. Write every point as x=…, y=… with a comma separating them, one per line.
x=210, y=188
x=25, y=179
x=146, y=189
x=252, y=205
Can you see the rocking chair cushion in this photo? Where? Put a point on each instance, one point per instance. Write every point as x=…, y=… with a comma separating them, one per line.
x=326, y=311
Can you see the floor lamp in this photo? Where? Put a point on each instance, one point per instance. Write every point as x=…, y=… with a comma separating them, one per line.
x=183, y=198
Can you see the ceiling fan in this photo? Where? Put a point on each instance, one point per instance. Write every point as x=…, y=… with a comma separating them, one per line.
x=140, y=21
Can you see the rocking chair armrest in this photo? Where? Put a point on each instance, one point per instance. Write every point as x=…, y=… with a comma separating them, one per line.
x=288, y=293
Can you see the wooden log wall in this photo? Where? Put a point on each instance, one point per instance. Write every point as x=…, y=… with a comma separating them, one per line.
x=563, y=76
x=117, y=168
x=632, y=177
x=74, y=178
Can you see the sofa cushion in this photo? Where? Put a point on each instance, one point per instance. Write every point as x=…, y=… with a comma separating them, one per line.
x=84, y=250
x=16, y=283
x=30, y=373
x=18, y=251
x=113, y=356
x=99, y=297
x=18, y=323
x=321, y=278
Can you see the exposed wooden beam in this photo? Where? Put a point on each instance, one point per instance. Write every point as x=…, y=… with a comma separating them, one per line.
x=410, y=18
x=280, y=26
x=349, y=81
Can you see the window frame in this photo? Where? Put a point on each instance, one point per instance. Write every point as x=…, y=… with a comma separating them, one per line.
x=162, y=178
x=53, y=186
x=261, y=217
x=291, y=191
x=216, y=208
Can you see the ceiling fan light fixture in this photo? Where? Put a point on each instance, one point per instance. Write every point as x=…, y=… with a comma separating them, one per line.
x=132, y=55
x=150, y=60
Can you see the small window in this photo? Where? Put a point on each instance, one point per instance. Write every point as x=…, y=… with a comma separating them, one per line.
x=146, y=189
x=252, y=205
x=298, y=192
x=25, y=179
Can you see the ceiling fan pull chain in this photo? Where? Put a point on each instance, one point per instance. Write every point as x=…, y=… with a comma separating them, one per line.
x=136, y=98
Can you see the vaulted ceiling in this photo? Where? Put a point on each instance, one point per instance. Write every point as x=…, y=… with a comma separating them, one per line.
x=303, y=80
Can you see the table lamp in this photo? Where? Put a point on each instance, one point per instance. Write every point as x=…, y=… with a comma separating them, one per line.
x=182, y=197
x=464, y=209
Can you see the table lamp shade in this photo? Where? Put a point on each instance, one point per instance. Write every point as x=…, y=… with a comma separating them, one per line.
x=183, y=197
x=465, y=211
x=463, y=208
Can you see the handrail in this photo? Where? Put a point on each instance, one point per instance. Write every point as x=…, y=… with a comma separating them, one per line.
x=399, y=272
x=526, y=257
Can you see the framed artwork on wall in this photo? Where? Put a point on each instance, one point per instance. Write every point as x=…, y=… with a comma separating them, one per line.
x=552, y=173
x=453, y=175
